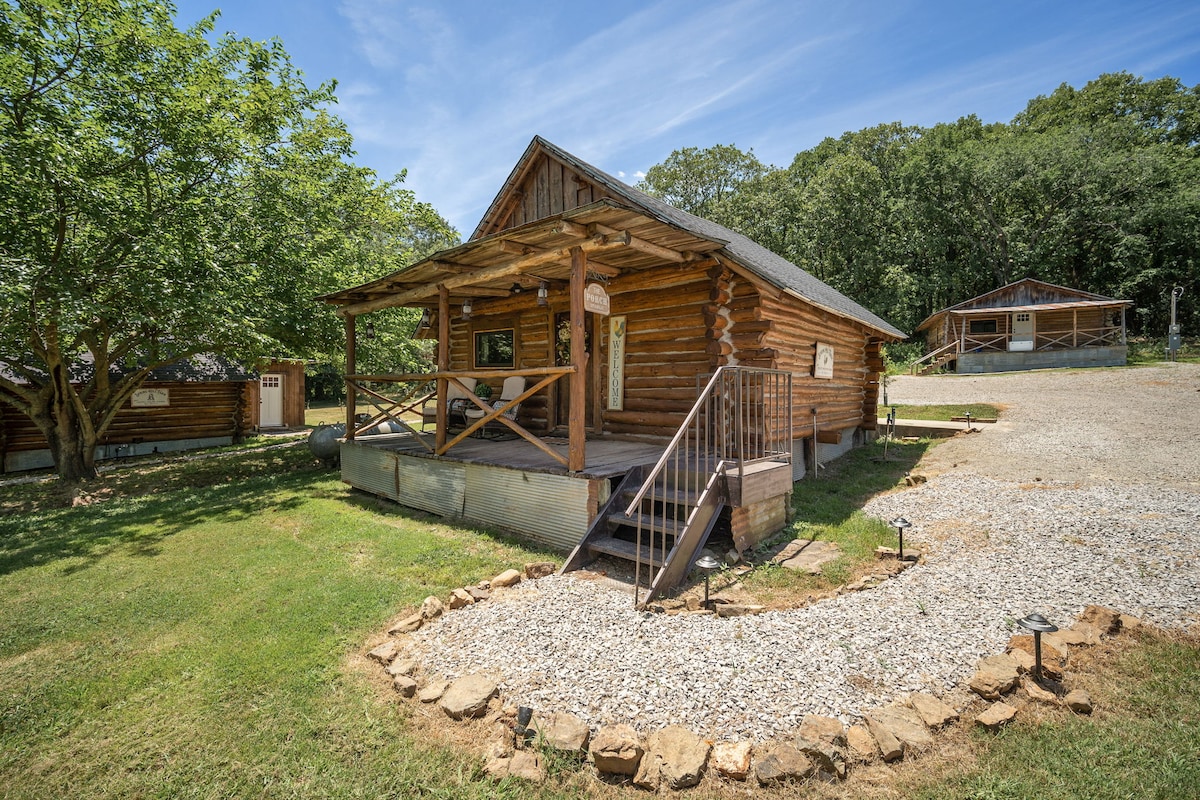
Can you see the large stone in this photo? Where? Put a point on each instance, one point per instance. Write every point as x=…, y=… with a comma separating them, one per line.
x=783, y=763
x=1130, y=623
x=674, y=756
x=407, y=625
x=433, y=691
x=524, y=764
x=385, y=652
x=1081, y=633
x=737, y=609
x=827, y=758
x=1025, y=661
x=732, y=760
x=995, y=675
x=1036, y=692
x=510, y=577
x=460, y=598
x=933, y=712
x=1106, y=619
x=816, y=728
x=563, y=731
x=432, y=608
x=996, y=716
x=468, y=696
x=616, y=750
x=861, y=743
x=402, y=666
x=889, y=746
x=405, y=685
x=1054, y=654
x=809, y=556
x=540, y=569
x=906, y=725
x=1079, y=701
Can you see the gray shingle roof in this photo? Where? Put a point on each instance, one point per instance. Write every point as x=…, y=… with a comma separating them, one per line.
x=768, y=265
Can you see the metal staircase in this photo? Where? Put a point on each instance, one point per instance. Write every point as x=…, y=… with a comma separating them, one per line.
x=660, y=516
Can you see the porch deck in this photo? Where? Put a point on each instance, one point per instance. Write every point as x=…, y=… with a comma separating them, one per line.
x=605, y=458
x=507, y=483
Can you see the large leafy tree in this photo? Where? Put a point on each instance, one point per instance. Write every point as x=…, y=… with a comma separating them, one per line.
x=164, y=195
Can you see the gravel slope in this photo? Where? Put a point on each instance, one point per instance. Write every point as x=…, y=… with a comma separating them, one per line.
x=1087, y=493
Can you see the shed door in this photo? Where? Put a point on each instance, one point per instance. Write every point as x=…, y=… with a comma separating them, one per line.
x=270, y=411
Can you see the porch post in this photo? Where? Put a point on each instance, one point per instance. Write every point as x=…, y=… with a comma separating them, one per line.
x=1074, y=327
x=443, y=364
x=351, y=394
x=576, y=454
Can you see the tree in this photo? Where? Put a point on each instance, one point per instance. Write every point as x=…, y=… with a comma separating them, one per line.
x=701, y=181
x=163, y=196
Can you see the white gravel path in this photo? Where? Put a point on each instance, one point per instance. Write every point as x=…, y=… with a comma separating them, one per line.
x=1090, y=493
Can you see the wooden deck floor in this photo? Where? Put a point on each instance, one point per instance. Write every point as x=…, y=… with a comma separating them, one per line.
x=606, y=458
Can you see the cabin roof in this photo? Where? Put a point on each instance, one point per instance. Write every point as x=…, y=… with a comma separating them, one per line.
x=1027, y=294
x=651, y=221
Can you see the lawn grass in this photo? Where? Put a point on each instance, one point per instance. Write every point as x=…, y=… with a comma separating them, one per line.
x=194, y=642
x=942, y=413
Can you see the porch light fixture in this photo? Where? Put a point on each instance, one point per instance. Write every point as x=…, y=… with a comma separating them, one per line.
x=369, y=331
x=1039, y=625
x=517, y=288
x=900, y=524
x=425, y=318
x=543, y=293
x=707, y=564
x=467, y=308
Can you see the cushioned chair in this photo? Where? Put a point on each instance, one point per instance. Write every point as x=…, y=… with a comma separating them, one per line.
x=513, y=388
x=456, y=400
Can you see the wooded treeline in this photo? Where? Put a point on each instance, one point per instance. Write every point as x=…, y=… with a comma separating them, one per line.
x=1095, y=188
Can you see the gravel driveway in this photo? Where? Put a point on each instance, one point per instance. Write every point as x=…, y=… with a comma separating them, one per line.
x=1088, y=492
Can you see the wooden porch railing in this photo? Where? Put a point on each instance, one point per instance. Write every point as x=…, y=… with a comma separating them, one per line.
x=389, y=408
x=1079, y=337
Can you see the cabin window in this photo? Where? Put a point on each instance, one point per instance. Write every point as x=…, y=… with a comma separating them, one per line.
x=1023, y=317
x=981, y=326
x=495, y=349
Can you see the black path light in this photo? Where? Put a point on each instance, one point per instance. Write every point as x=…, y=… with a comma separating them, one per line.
x=900, y=524
x=707, y=564
x=968, y=415
x=522, y=731
x=1039, y=625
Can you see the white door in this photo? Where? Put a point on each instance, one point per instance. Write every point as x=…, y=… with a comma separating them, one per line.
x=1022, y=331
x=270, y=412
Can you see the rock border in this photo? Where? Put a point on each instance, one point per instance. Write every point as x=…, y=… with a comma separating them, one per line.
x=674, y=758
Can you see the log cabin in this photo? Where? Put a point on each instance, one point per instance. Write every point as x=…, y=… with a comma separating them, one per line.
x=1028, y=324
x=203, y=401
x=673, y=376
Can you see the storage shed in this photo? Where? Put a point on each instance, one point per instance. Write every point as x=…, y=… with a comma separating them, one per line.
x=1028, y=324
x=665, y=362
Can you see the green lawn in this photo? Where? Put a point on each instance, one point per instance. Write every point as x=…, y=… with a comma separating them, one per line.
x=194, y=642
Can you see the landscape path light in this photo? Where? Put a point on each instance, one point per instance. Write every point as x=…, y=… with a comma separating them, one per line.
x=707, y=564
x=901, y=524
x=1039, y=625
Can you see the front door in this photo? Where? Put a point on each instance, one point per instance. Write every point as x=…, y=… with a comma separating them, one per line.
x=1022, y=331
x=562, y=358
x=270, y=411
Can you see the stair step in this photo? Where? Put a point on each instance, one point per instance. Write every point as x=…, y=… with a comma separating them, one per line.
x=650, y=522
x=620, y=548
x=661, y=494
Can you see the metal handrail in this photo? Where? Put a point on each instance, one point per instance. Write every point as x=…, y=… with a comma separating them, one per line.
x=741, y=416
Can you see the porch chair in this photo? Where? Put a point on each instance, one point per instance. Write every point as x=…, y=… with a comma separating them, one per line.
x=456, y=401
x=513, y=388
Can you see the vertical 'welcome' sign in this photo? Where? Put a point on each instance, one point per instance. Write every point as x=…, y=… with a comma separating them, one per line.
x=616, y=363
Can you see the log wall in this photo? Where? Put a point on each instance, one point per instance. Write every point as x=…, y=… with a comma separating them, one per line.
x=197, y=411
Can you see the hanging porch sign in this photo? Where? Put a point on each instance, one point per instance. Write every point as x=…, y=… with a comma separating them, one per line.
x=595, y=299
x=616, y=364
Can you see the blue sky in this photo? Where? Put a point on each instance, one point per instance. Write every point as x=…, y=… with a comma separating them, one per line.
x=454, y=91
